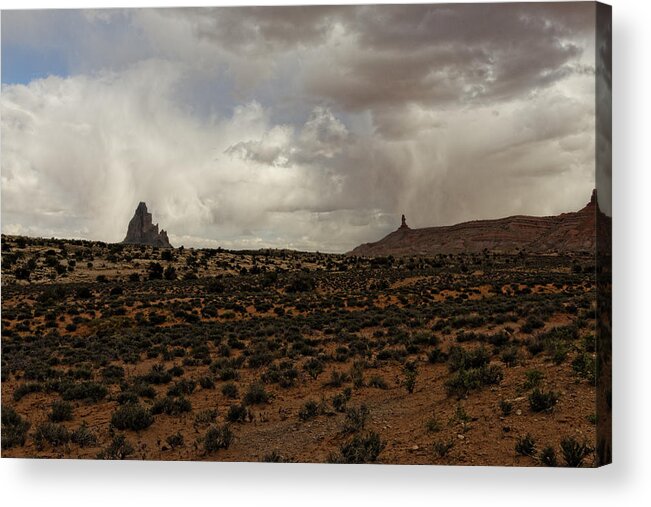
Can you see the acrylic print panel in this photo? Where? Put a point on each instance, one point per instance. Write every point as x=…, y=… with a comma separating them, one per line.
x=352, y=234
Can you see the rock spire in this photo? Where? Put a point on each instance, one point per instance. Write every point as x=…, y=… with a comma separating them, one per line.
x=142, y=231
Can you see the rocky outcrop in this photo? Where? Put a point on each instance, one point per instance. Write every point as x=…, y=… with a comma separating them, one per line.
x=568, y=232
x=142, y=231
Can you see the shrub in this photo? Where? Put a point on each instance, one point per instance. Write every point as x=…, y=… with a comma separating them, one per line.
x=156, y=319
x=61, y=411
x=557, y=350
x=157, y=375
x=84, y=293
x=22, y=273
x=171, y=406
x=182, y=387
x=120, y=448
x=90, y=391
x=207, y=382
x=460, y=358
x=532, y=323
x=468, y=337
x=464, y=381
x=378, y=382
x=314, y=367
x=309, y=410
x=215, y=287
x=83, y=437
x=170, y=273
x=433, y=425
x=339, y=400
x=499, y=340
x=275, y=457
x=131, y=417
x=548, y=457
x=356, y=418
x=410, y=372
x=283, y=374
x=113, y=374
x=357, y=374
x=132, y=394
x=25, y=389
x=490, y=375
x=534, y=345
x=534, y=378
x=584, y=365
x=573, y=452
x=302, y=282
x=14, y=428
x=525, y=446
x=337, y=378
x=442, y=448
x=541, y=401
x=506, y=407
x=206, y=416
x=237, y=413
x=144, y=391
x=155, y=271
x=175, y=440
x=509, y=356
x=229, y=390
x=218, y=438
x=176, y=370
x=228, y=374
x=360, y=449
x=256, y=395
x=436, y=355
x=54, y=434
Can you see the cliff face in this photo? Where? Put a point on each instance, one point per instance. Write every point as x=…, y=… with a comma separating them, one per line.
x=142, y=230
x=568, y=232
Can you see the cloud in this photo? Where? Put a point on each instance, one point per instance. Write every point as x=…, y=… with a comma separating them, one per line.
x=257, y=31
x=238, y=129
x=79, y=153
x=439, y=54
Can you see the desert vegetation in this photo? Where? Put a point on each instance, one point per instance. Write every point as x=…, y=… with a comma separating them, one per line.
x=134, y=352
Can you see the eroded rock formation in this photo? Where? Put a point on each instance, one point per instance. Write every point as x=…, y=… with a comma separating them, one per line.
x=142, y=230
x=568, y=232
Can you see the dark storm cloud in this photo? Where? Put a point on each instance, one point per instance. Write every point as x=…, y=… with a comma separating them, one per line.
x=404, y=27
x=256, y=31
x=442, y=54
x=373, y=56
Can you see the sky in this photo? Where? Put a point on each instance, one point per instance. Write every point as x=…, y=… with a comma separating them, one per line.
x=311, y=128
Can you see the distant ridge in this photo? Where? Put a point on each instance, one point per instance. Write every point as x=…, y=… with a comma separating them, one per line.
x=142, y=231
x=568, y=232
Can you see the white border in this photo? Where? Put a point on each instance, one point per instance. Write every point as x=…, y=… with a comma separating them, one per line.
x=70, y=483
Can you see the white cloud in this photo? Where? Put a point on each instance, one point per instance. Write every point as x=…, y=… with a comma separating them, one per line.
x=80, y=153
